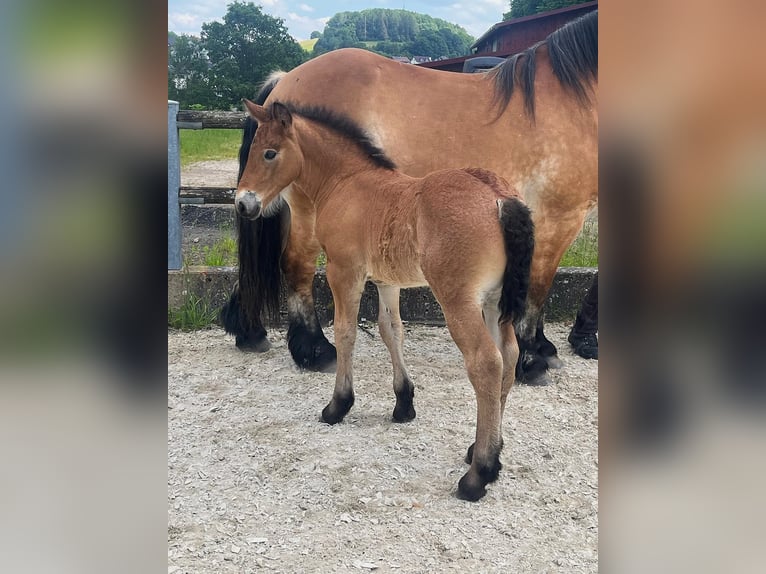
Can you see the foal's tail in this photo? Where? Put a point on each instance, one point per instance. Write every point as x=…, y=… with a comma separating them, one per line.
x=519, y=236
x=260, y=247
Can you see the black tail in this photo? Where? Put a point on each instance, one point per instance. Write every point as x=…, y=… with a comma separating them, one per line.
x=260, y=246
x=519, y=235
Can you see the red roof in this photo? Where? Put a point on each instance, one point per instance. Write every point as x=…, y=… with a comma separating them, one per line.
x=515, y=21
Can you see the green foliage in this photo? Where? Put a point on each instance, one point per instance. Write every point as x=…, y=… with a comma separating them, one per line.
x=315, y=35
x=202, y=145
x=230, y=59
x=194, y=314
x=223, y=253
x=584, y=249
x=521, y=8
x=394, y=33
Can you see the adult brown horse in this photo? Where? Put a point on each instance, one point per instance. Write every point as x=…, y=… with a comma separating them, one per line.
x=533, y=120
x=460, y=231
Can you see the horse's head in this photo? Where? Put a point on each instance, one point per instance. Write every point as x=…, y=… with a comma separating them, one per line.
x=274, y=161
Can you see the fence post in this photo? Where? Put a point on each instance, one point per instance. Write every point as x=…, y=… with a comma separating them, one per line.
x=174, y=185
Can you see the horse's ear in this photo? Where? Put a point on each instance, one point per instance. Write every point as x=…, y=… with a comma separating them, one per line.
x=258, y=112
x=282, y=114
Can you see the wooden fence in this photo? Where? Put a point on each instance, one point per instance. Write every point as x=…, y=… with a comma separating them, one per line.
x=177, y=195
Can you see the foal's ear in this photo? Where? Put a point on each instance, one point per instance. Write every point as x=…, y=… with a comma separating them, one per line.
x=282, y=114
x=258, y=112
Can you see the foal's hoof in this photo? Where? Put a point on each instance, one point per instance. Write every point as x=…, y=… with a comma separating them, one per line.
x=471, y=487
x=334, y=412
x=403, y=413
x=252, y=344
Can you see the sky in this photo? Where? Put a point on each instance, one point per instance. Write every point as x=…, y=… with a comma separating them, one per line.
x=304, y=16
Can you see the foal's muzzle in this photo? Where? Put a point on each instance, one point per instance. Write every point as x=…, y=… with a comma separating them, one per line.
x=248, y=205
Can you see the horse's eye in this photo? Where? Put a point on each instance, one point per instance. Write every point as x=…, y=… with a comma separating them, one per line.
x=269, y=154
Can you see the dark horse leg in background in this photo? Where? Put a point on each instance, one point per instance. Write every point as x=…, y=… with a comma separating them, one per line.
x=257, y=292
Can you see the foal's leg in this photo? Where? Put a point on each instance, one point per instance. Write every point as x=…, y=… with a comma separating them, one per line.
x=347, y=289
x=484, y=364
x=308, y=346
x=509, y=349
x=392, y=333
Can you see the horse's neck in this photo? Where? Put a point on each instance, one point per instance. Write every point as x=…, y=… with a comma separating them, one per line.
x=331, y=161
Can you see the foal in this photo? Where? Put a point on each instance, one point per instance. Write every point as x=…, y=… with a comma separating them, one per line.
x=462, y=232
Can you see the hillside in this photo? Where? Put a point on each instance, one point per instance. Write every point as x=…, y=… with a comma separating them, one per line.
x=308, y=45
x=394, y=33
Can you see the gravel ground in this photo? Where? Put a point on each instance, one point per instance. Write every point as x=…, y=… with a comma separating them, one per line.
x=257, y=482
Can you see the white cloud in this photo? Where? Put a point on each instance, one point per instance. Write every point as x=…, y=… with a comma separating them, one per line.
x=182, y=19
x=305, y=7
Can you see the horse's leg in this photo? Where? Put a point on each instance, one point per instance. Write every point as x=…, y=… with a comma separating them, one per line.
x=551, y=240
x=392, y=333
x=484, y=364
x=509, y=349
x=347, y=287
x=545, y=347
x=308, y=346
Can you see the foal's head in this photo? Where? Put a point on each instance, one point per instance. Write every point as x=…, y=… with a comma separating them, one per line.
x=274, y=161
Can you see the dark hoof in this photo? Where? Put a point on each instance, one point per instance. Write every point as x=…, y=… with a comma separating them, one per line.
x=471, y=488
x=535, y=380
x=404, y=410
x=554, y=362
x=252, y=344
x=334, y=412
x=311, y=350
x=329, y=365
x=403, y=414
x=586, y=345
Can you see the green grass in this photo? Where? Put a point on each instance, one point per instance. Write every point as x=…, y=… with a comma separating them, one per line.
x=223, y=253
x=584, y=250
x=202, y=145
x=193, y=315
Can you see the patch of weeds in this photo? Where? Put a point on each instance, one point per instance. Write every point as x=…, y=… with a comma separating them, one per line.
x=584, y=250
x=322, y=260
x=193, y=315
x=223, y=253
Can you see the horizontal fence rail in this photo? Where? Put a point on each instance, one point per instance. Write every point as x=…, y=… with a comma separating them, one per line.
x=200, y=120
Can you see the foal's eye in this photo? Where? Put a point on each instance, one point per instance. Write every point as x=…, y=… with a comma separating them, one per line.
x=269, y=154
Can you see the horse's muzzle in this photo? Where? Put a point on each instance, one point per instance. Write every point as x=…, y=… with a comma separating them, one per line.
x=248, y=205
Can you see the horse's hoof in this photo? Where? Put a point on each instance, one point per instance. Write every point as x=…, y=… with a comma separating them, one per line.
x=471, y=487
x=536, y=380
x=329, y=366
x=584, y=345
x=253, y=345
x=403, y=414
x=554, y=362
x=336, y=409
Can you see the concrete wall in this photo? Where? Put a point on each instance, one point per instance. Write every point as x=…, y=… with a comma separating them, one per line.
x=214, y=284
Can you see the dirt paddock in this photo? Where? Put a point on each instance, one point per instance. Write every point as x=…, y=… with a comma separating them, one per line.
x=257, y=482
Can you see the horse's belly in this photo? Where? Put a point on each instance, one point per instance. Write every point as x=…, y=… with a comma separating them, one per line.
x=404, y=276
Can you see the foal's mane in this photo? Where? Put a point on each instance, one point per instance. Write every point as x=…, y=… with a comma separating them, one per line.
x=573, y=52
x=347, y=128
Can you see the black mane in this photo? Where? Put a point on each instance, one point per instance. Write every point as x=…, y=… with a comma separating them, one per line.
x=573, y=52
x=345, y=127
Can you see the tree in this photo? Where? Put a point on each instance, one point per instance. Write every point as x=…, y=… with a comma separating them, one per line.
x=393, y=33
x=521, y=8
x=315, y=34
x=244, y=50
x=188, y=72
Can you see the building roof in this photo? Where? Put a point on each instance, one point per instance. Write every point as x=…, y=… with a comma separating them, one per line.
x=523, y=19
